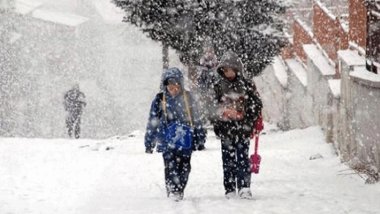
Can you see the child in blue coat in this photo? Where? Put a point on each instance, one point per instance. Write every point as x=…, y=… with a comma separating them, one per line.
x=175, y=128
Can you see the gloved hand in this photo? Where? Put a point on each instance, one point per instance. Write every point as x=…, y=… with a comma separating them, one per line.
x=232, y=114
x=258, y=126
x=148, y=150
x=199, y=139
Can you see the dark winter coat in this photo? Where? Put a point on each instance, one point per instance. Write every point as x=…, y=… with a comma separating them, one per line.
x=239, y=93
x=175, y=112
x=207, y=72
x=74, y=101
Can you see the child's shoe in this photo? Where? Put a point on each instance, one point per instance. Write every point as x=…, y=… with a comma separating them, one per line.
x=231, y=194
x=176, y=196
x=201, y=147
x=245, y=193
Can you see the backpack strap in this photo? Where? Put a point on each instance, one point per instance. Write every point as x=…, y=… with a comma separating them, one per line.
x=188, y=112
x=164, y=107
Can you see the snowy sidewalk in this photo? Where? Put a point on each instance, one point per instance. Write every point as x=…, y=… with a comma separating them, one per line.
x=116, y=176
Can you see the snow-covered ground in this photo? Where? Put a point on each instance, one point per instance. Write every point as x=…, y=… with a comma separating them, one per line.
x=45, y=176
x=116, y=176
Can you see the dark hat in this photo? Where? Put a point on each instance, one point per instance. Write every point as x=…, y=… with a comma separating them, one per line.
x=173, y=81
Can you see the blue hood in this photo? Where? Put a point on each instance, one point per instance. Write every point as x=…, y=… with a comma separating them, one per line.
x=171, y=73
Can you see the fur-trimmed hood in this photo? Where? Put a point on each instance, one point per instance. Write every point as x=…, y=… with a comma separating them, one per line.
x=230, y=60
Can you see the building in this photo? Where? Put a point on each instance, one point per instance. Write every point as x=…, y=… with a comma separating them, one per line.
x=373, y=36
x=327, y=76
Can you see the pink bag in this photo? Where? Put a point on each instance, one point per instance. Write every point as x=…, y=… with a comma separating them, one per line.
x=255, y=158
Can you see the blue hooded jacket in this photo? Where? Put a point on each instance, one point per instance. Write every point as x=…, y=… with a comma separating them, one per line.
x=175, y=112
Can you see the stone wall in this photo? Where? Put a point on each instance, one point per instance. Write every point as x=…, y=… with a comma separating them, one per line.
x=299, y=101
x=346, y=109
x=359, y=138
x=319, y=72
x=272, y=86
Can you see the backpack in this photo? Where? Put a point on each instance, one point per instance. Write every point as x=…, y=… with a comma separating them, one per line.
x=178, y=136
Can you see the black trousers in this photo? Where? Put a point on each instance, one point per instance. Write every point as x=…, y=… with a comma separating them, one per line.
x=236, y=166
x=177, y=170
x=73, y=125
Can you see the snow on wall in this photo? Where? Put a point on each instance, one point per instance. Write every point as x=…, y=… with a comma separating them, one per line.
x=351, y=58
x=346, y=108
x=301, y=35
x=274, y=94
x=366, y=117
x=298, y=70
x=320, y=61
x=366, y=78
x=359, y=138
x=327, y=11
x=299, y=101
x=280, y=71
x=319, y=72
x=346, y=135
x=335, y=87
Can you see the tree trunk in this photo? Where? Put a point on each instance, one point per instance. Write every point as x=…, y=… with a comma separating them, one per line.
x=165, y=56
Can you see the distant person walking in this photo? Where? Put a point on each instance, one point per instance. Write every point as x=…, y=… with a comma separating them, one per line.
x=206, y=78
x=74, y=102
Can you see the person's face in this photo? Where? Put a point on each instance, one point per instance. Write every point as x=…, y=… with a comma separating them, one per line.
x=229, y=73
x=174, y=89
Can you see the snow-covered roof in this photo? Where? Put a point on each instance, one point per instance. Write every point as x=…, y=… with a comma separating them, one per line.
x=280, y=71
x=351, y=58
x=325, y=9
x=361, y=75
x=298, y=70
x=375, y=13
x=344, y=25
x=354, y=45
x=319, y=60
x=26, y=6
x=305, y=27
x=109, y=12
x=334, y=85
x=59, y=17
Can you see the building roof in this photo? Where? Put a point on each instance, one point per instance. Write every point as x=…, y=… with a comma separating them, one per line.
x=280, y=71
x=334, y=86
x=362, y=76
x=109, y=12
x=315, y=55
x=26, y=6
x=298, y=70
x=351, y=57
x=59, y=17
